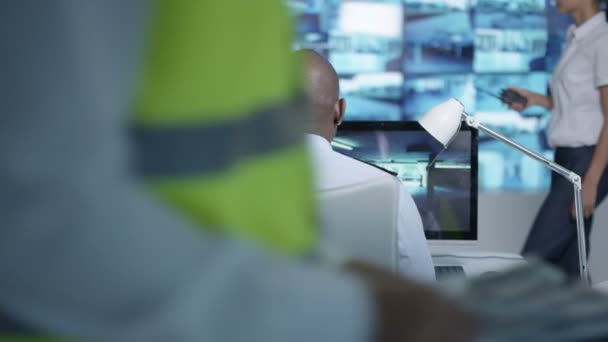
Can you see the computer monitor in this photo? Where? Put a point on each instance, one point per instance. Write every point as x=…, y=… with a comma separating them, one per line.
x=442, y=182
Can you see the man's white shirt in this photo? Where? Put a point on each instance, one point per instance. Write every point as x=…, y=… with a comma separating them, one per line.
x=333, y=169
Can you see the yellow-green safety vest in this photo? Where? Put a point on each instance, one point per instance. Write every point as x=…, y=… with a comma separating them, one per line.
x=217, y=122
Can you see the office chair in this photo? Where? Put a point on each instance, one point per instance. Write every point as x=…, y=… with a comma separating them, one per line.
x=360, y=221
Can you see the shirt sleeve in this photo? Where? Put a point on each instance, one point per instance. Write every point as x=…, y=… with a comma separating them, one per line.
x=414, y=255
x=84, y=253
x=601, y=65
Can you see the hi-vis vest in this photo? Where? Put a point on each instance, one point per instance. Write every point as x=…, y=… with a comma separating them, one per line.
x=217, y=122
x=216, y=125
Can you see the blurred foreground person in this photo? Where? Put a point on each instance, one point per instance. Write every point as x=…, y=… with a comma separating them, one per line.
x=85, y=253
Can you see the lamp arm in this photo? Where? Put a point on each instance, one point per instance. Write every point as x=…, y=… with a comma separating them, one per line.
x=574, y=178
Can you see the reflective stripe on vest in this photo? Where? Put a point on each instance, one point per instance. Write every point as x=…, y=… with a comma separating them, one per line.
x=201, y=149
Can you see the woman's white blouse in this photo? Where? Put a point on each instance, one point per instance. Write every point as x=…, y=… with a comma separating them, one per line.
x=577, y=116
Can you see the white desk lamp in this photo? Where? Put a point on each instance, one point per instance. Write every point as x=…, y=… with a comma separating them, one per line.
x=443, y=123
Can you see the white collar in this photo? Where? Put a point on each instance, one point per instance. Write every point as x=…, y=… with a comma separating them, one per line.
x=318, y=141
x=587, y=27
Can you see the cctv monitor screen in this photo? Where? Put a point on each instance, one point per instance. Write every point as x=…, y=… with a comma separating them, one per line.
x=443, y=182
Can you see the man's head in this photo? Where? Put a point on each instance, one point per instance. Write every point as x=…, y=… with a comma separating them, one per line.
x=323, y=90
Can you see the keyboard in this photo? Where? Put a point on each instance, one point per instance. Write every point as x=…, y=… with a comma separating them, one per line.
x=444, y=272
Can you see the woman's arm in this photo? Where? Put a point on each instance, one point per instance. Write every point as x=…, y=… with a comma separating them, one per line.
x=598, y=162
x=534, y=99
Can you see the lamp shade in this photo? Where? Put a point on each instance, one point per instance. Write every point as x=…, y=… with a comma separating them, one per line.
x=443, y=120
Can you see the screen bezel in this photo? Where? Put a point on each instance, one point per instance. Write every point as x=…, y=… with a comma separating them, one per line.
x=414, y=126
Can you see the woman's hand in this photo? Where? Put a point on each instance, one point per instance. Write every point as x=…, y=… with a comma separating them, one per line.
x=589, y=199
x=534, y=99
x=525, y=93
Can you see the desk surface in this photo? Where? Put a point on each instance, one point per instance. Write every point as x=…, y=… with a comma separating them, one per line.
x=478, y=263
x=603, y=286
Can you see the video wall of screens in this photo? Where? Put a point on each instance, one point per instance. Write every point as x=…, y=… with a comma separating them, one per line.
x=398, y=58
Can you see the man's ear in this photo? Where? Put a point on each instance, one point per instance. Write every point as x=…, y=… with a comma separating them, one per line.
x=339, y=110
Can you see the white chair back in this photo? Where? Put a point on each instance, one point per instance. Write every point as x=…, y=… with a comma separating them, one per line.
x=360, y=221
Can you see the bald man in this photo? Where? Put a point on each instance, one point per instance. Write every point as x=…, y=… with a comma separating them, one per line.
x=336, y=170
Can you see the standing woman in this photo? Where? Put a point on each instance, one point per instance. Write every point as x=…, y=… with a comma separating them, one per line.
x=579, y=132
